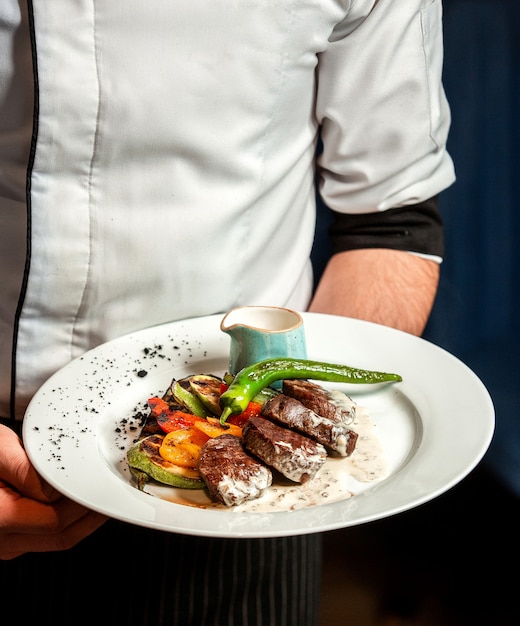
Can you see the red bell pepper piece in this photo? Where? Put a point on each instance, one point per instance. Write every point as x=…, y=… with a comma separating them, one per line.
x=171, y=419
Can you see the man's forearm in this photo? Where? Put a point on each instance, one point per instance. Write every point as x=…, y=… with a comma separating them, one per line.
x=388, y=287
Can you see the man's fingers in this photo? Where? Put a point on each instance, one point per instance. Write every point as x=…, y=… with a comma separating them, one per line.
x=13, y=545
x=24, y=515
x=16, y=469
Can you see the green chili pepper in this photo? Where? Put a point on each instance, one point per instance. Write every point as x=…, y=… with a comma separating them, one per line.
x=251, y=380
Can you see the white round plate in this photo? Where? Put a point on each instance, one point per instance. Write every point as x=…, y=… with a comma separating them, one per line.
x=434, y=426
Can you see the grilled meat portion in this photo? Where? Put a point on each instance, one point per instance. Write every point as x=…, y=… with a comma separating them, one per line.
x=231, y=475
x=290, y=412
x=295, y=456
x=333, y=405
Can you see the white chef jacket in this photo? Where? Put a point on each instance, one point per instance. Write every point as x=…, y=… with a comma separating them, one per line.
x=157, y=158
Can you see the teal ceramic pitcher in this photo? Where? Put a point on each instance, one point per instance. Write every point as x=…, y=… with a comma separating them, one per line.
x=263, y=332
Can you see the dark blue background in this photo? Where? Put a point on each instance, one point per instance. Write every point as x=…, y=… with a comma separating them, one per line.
x=476, y=313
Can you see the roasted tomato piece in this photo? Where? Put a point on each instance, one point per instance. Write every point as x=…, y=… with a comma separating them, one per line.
x=182, y=447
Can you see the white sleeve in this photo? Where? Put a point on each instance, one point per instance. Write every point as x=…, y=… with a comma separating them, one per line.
x=382, y=109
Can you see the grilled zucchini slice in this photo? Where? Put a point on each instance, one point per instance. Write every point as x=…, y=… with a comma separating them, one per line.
x=144, y=456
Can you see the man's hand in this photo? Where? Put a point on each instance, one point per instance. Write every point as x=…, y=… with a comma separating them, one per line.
x=33, y=516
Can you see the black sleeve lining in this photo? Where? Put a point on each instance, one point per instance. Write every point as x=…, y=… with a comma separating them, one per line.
x=414, y=228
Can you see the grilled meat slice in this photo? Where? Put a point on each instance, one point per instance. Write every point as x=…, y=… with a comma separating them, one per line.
x=335, y=436
x=295, y=456
x=333, y=405
x=231, y=475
